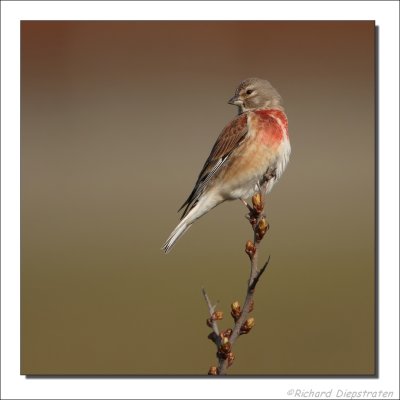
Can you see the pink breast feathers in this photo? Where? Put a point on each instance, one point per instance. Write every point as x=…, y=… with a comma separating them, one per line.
x=271, y=125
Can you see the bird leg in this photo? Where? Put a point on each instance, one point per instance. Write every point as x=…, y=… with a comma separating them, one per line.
x=267, y=177
x=251, y=215
x=246, y=205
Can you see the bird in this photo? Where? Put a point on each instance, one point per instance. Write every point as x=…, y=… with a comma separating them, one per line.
x=251, y=153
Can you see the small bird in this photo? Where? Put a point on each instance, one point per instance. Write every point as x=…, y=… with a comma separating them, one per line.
x=251, y=153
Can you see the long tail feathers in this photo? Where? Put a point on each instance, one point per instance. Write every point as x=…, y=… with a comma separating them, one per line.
x=182, y=227
x=204, y=205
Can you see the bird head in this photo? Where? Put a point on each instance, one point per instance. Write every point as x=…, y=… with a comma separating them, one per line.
x=255, y=93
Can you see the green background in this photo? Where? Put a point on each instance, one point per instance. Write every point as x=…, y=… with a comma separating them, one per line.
x=117, y=120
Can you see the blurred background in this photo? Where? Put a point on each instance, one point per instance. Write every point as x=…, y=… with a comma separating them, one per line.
x=117, y=121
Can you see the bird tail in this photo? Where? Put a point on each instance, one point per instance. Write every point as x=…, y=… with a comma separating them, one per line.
x=182, y=227
x=204, y=205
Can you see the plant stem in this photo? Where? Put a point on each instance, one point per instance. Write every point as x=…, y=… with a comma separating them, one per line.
x=255, y=274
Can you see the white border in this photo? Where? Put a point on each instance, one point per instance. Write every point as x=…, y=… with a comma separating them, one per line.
x=386, y=14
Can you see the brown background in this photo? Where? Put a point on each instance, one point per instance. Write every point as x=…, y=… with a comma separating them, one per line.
x=117, y=120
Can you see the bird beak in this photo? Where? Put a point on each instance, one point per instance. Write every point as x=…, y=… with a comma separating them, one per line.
x=235, y=101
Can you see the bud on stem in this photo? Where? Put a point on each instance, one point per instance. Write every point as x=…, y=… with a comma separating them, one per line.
x=236, y=311
x=257, y=202
x=226, y=333
x=224, y=349
x=225, y=346
x=247, y=326
x=261, y=228
x=250, y=249
x=231, y=358
x=213, y=371
x=217, y=315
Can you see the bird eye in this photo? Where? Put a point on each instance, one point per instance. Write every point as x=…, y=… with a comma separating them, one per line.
x=249, y=91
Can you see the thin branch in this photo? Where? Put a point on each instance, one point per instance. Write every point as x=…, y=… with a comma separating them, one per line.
x=258, y=276
x=211, y=310
x=243, y=324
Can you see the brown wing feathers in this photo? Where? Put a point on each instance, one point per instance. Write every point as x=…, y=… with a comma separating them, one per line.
x=229, y=139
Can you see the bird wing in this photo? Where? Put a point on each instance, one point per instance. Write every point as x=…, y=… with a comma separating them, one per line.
x=229, y=139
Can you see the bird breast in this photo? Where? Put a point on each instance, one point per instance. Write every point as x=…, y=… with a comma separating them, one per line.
x=267, y=147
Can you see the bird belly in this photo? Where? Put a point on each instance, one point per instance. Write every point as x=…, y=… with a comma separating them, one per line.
x=239, y=178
